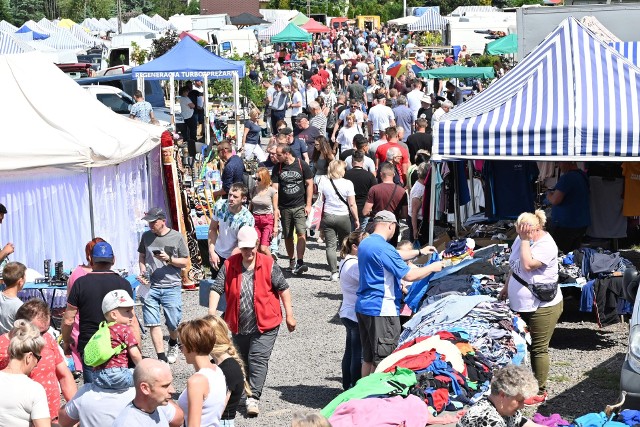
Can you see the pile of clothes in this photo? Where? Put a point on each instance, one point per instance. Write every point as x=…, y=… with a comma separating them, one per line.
x=626, y=418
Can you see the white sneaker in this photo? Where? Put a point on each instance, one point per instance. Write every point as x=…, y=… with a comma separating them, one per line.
x=172, y=354
x=252, y=407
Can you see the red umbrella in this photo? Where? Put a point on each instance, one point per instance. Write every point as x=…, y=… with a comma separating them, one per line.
x=314, y=26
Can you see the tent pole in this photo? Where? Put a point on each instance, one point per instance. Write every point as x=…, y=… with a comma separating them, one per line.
x=172, y=100
x=432, y=205
x=149, y=180
x=456, y=199
x=91, y=217
x=236, y=103
x=207, y=126
x=473, y=193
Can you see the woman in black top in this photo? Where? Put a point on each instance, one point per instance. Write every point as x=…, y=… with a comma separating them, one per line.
x=227, y=358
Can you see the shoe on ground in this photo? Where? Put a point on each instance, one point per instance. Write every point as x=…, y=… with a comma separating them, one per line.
x=300, y=268
x=189, y=287
x=274, y=256
x=252, y=407
x=333, y=277
x=292, y=264
x=172, y=354
x=536, y=400
x=319, y=240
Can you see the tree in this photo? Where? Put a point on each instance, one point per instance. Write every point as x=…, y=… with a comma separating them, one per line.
x=193, y=8
x=5, y=11
x=169, y=7
x=164, y=44
x=24, y=10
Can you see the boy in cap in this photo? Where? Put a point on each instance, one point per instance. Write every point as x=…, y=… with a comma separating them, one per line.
x=117, y=307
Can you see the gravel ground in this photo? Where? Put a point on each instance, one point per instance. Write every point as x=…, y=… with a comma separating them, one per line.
x=304, y=370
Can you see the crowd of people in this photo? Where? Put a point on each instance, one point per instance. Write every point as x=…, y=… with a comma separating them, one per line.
x=348, y=169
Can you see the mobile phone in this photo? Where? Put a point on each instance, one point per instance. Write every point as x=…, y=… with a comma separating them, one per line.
x=156, y=251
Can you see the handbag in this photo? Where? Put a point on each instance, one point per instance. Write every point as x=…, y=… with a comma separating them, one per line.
x=543, y=291
x=342, y=198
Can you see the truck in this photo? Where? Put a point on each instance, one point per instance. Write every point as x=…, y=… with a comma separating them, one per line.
x=534, y=24
x=227, y=42
x=471, y=30
x=120, y=51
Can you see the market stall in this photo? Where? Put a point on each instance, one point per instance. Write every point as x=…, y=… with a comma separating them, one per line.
x=291, y=34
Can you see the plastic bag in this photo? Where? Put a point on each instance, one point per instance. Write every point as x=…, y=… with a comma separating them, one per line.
x=315, y=215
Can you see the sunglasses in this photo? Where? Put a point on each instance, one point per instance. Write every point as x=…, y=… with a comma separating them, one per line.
x=37, y=356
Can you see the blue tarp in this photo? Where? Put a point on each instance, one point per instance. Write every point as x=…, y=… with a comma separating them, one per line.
x=187, y=61
x=36, y=35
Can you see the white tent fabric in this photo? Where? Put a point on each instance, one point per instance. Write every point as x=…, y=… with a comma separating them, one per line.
x=150, y=23
x=47, y=25
x=81, y=34
x=7, y=27
x=10, y=44
x=403, y=21
x=531, y=114
x=134, y=26
x=467, y=10
x=64, y=40
x=24, y=37
x=63, y=134
x=34, y=26
x=111, y=25
x=274, y=29
x=93, y=25
x=596, y=27
x=44, y=181
x=430, y=21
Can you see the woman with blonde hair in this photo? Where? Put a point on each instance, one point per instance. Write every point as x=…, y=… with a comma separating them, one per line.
x=534, y=260
x=23, y=402
x=251, y=136
x=264, y=207
x=340, y=213
x=205, y=397
x=309, y=419
x=227, y=358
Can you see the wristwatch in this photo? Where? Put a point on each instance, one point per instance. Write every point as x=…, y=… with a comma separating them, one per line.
x=420, y=252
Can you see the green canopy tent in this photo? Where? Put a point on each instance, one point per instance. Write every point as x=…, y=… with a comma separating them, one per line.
x=503, y=46
x=300, y=19
x=291, y=34
x=459, y=72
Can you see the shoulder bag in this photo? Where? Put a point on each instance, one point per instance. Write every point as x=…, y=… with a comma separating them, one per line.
x=543, y=291
x=342, y=198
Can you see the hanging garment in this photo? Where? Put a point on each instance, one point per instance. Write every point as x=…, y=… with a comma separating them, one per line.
x=510, y=187
x=631, y=172
x=606, y=203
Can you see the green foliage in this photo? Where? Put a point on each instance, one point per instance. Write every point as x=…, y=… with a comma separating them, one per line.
x=167, y=8
x=520, y=3
x=430, y=39
x=193, y=8
x=77, y=10
x=164, y=44
x=5, y=11
x=202, y=43
x=23, y=10
x=385, y=9
x=139, y=55
x=254, y=93
x=486, y=60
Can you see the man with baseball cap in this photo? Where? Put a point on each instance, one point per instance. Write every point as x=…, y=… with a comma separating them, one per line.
x=379, y=294
x=162, y=254
x=86, y=298
x=254, y=286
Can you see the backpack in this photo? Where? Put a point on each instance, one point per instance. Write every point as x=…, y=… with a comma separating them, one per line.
x=248, y=176
x=98, y=350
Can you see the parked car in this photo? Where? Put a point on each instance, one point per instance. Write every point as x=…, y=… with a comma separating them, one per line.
x=630, y=375
x=121, y=79
x=76, y=70
x=120, y=102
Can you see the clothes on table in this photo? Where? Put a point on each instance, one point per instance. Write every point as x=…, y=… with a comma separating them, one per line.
x=423, y=345
x=630, y=417
x=596, y=420
x=553, y=420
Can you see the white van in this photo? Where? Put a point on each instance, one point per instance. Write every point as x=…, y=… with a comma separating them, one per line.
x=227, y=42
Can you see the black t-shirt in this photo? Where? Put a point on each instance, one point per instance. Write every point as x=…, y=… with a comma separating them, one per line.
x=291, y=183
x=193, y=97
x=87, y=295
x=419, y=141
x=425, y=113
x=308, y=136
x=235, y=383
x=346, y=153
x=362, y=180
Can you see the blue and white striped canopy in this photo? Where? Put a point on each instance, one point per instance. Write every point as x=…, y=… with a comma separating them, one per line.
x=430, y=21
x=572, y=96
x=64, y=40
x=7, y=28
x=9, y=44
x=630, y=50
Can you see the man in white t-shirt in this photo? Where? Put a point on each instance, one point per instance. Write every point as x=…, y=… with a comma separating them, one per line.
x=380, y=117
x=228, y=216
x=296, y=100
x=414, y=98
x=94, y=406
x=152, y=405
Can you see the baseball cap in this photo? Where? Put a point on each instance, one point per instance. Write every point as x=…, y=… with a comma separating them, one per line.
x=385, y=216
x=155, y=214
x=286, y=131
x=116, y=299
x=102, y=252
x=302, y=116
x=247, y=237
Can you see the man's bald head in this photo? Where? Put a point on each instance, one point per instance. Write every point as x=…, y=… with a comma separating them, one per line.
x=149, y=371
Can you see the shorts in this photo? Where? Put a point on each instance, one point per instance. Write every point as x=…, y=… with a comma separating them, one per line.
x=170, y=300
x=379, y=336
x=293, y=218
x=264, y=227
x=116, y=378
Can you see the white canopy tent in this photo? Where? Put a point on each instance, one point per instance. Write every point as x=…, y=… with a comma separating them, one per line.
x=407, y=20
x=72, y=169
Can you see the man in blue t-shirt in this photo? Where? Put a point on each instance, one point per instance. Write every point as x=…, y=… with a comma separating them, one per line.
x=233, y=169
x=378, y=298
x=570, y=215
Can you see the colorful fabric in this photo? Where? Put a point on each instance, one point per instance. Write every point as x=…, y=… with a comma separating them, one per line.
x=388, y=412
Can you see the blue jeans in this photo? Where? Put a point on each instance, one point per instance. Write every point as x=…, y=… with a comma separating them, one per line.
x=88, y=373
x=167, y=299
x=352, y=359
x=227, y=423
x=113, y=378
